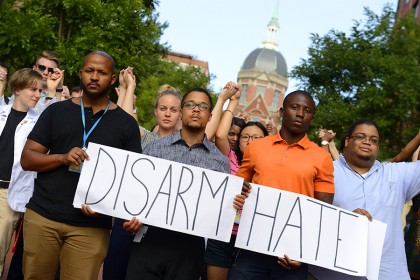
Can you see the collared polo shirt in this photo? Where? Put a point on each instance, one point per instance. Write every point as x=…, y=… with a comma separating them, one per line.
x=303, y=167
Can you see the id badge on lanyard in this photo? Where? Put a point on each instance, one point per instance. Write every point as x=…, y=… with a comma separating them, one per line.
x=78, y=168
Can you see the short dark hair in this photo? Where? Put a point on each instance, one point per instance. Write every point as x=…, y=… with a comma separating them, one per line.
x=75, y=89
x=4, y=64
x=353, y=127
x=238, y=122
x=198, y=89
x=103, y=54
x=299, y=92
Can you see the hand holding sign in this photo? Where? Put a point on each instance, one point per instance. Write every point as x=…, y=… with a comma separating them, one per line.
x=159, y=192
x=132, y=225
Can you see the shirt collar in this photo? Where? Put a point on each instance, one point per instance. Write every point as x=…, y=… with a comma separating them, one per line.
x=376, y=165
x=303, y=143
x=176, y=138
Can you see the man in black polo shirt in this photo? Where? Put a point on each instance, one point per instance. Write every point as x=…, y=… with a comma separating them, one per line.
x=56, y=232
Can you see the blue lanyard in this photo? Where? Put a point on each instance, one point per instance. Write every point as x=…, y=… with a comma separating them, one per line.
x=86, y=135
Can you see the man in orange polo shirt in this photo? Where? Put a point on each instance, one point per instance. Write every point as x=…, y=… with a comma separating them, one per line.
x=288, y=161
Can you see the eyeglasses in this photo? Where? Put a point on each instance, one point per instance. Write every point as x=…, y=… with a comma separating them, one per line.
x=246, y=137
x=43, y=67
x=191, y=105
x=362, y=138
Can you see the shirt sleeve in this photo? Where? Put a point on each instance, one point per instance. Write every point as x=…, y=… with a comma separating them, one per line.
x=134, y=141
x=246, y=170
x=324, y=181
x=41, y=133
x=411, y=178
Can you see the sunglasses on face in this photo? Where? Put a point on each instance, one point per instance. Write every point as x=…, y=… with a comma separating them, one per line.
x=43, y=67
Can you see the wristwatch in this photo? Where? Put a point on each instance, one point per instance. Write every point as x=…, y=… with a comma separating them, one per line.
x=59, y=90
x=324, y=143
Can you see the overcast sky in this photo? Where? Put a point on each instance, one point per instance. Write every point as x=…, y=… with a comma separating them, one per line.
x=224, y=32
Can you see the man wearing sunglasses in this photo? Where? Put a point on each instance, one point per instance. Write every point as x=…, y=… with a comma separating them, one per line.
x=45, y=63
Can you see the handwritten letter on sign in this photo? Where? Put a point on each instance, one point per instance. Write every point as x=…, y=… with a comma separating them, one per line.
x=276, y=222
x=158, y=192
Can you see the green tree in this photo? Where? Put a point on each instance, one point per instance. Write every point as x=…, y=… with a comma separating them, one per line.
x=371, y=73
x=126, y=29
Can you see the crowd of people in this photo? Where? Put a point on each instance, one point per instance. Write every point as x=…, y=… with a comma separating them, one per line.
x=45, y=129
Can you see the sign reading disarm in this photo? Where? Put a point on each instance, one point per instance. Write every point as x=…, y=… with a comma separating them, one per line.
x=276, y=222
x=158, y=192
x=198, y=201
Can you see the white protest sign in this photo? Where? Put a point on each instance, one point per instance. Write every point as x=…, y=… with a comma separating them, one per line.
x=158, y=192
x=376, y=240
x=276, y=222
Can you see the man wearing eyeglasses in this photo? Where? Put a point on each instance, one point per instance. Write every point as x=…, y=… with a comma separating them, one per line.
x=166, y=254
x=376, y=190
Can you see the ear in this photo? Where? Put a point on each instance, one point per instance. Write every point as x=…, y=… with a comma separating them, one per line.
x=113, y=79
x=346, y=141
x=34, y=67
x=155, y=112
x=210, y=115
x=281, y=111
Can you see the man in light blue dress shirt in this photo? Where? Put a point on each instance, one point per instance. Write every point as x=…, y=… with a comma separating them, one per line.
x=380, y=190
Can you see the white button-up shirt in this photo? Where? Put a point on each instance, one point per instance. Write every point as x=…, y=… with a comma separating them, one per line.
x=382, y=191
x=21, y=184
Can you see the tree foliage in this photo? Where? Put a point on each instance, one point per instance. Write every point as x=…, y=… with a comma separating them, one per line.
x=126, y=29
x=373, y=72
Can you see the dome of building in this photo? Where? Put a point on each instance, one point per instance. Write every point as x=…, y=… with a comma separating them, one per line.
x=266, y=60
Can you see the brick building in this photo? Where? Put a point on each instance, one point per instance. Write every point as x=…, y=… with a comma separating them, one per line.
x=263, y=79
x=187, y=59
x=405, y=6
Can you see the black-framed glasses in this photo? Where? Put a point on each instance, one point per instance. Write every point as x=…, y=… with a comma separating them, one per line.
x=191, y=105
x=362, y=138
x=43, y=67
x=246, y=137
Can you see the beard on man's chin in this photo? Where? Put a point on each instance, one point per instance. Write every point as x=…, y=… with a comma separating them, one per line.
x=194, y=128
x=105, y=91
x=365, y=158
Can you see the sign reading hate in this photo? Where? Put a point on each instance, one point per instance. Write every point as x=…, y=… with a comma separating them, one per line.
x=276, y=222
x=158, y=192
